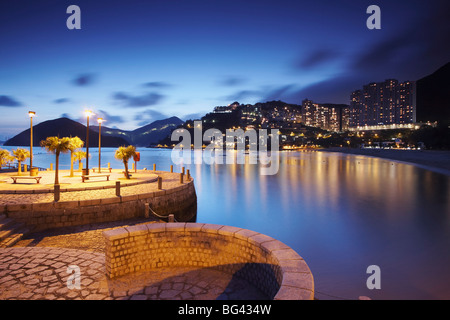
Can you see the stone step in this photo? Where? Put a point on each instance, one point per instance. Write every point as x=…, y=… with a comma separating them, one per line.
x=2, y=216
x=5, y=223
x=12, y=234
x=14, y=237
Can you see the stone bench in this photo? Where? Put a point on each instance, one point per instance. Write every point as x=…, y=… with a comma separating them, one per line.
x=87, y=177
x=15, y=178
x=266, y=263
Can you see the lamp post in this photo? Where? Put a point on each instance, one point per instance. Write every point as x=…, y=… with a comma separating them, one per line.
x=99, y=120
x=88, y=113
x=31, y=114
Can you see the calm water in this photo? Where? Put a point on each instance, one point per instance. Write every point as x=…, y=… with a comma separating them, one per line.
x=341, y=213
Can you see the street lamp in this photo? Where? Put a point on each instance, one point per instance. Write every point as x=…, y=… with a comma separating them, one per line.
x=31, y=114
x=99, y=120
x=88, y=113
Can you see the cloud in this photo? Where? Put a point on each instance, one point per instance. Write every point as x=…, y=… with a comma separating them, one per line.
x=231, y=81
x=316, y=58
x=243, y=95
x=148, y=116
x=61, y=100
x=84, y=80
x=66, y=115
x=334, y=90
x=262, y=94
x=6, y=101
x=109, y=118
x=193, y=116
x=278, y=93
x=145, y=100
x=157, y=84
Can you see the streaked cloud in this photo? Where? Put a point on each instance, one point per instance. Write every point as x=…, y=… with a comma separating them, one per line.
x=7, y=101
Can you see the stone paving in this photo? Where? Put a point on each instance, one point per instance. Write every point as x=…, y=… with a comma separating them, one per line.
x=32, y=273
x=42, y=273
x=36, y=268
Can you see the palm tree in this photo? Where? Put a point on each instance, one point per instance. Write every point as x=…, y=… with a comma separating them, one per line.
x=56, y=145
x=124, y=154
x=74, y=143
x=5, y=157
x=79, y=155
x=21, y=155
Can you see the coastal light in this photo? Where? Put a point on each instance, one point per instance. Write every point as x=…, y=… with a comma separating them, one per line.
x=88, y=113
x=100, y=121
x=31, y=114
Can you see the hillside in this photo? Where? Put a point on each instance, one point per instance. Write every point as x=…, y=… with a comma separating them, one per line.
x=433, y=97
x=146, y=135
x=62, y=127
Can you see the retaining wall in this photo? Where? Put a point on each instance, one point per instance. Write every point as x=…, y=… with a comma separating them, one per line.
x=266, y=263
x=180, y=201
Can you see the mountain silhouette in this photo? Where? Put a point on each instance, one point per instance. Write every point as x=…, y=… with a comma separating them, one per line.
x=147, y=135
x=63, y=127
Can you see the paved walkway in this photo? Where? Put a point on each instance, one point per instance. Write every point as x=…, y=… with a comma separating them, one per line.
x=37, y=268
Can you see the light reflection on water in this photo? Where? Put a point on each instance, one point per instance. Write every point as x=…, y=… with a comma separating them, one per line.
x=341, y=213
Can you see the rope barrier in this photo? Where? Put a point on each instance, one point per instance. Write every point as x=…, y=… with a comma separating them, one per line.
x=332, y=296
x=157, y=215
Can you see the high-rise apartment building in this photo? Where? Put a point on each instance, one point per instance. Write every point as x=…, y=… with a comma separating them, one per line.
x=331, y=117
x=383, y=103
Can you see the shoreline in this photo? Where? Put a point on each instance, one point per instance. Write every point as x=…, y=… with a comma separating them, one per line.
x=436, y=161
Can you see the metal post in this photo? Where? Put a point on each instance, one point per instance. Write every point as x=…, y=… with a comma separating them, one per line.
x=154, y=167
x=31, y=142
x=181, y=178
x=171, y=168
x=87, y=147
x=188, y=175
x=99, y=145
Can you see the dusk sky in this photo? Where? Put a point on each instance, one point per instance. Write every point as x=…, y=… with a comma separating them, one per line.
x=134, y=62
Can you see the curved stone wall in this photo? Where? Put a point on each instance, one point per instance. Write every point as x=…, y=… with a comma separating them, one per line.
x=180, y=201
x=266, y=263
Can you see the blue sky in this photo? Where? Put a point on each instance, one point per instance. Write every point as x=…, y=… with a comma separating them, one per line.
x=134, y=62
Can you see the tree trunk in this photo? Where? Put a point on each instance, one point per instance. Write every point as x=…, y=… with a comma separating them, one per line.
x=20, y=168
x=57, y=169
x=71, y=163
x=127, y=175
